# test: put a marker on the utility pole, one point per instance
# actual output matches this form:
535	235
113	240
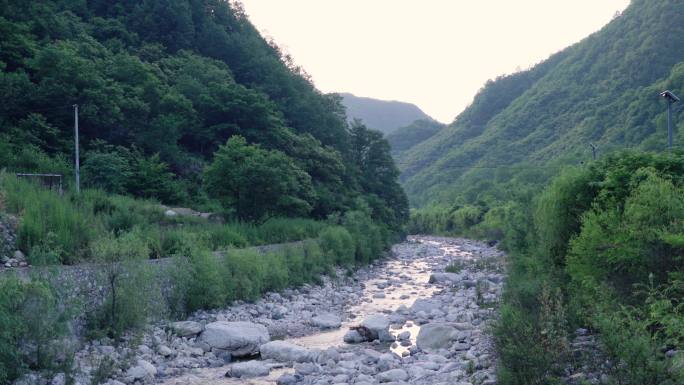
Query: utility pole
671	99
76	156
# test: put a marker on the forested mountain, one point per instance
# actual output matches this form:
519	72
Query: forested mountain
161	85
603	90
382	115
404	138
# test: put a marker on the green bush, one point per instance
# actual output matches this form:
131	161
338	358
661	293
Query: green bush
337	243
368	236
133	295
244	274
31	321
198	282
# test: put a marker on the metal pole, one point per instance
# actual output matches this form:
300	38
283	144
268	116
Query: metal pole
593	151
669	126
76	156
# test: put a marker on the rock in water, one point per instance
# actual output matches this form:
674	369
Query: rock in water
248	369
186	328
353	337
287	352
378	325
435	336
239	338
326	321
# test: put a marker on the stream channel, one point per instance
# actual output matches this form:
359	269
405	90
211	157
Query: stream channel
412	290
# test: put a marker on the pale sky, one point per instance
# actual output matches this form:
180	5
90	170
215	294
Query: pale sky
433	53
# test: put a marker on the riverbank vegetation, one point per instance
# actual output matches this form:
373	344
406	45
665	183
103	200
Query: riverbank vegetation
599	248
135	290
606	252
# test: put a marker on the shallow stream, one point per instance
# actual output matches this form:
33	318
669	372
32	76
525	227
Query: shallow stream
399	280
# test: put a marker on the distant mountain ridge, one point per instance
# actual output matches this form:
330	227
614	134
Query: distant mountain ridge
405	138
383	115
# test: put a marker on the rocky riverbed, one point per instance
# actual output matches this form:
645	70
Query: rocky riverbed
401	320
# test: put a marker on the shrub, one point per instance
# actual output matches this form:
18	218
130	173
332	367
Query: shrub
368	236
244	273
198	282
31	319
337	243
132	292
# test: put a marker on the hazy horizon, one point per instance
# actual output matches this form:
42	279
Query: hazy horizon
426	53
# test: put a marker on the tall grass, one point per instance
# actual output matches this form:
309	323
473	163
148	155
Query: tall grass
70	225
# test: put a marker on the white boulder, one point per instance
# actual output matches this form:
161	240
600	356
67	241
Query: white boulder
239	338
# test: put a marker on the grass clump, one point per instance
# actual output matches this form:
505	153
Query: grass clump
337	243
454	267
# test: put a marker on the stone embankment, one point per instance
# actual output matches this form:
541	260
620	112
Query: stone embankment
403	320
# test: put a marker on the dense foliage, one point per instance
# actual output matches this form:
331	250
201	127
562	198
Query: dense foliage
603	90
602	250
161	86
403	138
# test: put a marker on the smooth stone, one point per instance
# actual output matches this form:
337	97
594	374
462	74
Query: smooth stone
435	336
248	369
353	337
286	352
422	305
287	379
186	328
326	321
239	338
449	278
393	375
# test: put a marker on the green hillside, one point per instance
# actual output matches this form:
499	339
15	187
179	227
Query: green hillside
404	138
602	90
161	85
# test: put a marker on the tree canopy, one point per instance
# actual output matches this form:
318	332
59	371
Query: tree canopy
161	85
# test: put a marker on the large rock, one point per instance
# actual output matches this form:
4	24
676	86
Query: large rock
425	305
186	328
393	375
239	338
248	369
378	326
326	321
435	336
143	370
445	278
287	352
353	337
